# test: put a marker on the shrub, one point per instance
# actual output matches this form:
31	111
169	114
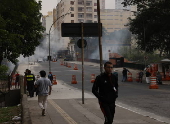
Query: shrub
3	72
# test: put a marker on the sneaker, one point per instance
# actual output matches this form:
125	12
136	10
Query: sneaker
43	112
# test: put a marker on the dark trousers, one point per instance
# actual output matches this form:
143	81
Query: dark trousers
140	79
108	111
30	88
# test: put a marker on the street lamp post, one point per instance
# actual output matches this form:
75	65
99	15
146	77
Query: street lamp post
99	32
49	58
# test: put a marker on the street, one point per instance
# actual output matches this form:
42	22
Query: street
134	96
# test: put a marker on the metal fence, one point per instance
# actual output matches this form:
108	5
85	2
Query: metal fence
134	66
6	84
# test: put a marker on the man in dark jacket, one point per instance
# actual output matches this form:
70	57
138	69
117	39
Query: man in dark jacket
105	88
30	78
50	77
124	72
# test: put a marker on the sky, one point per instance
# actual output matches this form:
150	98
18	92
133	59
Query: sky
48	5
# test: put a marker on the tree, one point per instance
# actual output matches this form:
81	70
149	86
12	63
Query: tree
20	28
151	25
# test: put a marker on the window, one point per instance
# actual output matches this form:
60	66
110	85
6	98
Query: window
80	20
72	21
80	9
72	8
95	10
72	15
95	4
72	2
80	15
89	9
89	15
95	16
95	21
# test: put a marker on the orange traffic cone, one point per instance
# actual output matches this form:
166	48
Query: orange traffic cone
75	67
54	80
153	84
92	78
129	77
74	79
69	66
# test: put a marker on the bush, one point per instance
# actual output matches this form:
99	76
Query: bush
3	72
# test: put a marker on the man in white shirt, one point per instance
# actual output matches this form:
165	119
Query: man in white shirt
44	89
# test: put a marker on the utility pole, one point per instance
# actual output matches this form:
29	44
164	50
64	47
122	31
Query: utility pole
99	32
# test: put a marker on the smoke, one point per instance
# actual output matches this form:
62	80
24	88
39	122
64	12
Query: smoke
112	43
42	51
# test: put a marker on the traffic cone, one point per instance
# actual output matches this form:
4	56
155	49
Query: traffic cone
54	80
69	66
74	79
153	84
92	78
129	77
75	67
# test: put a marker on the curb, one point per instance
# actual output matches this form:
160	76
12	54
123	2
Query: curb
26	118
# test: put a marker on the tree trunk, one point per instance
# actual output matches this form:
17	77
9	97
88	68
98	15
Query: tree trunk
1	58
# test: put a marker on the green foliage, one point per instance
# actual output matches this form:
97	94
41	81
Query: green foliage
20	28
3	72
151	25
7	113
139	57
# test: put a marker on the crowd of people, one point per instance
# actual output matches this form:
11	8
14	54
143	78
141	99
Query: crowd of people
141	74
40	85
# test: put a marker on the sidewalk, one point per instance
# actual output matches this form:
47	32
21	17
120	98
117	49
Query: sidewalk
65	107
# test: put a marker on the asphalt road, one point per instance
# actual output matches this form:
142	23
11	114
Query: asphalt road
134	96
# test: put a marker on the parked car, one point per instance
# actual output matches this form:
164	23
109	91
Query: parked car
40	60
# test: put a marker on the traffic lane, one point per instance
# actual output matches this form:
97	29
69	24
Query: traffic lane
135	95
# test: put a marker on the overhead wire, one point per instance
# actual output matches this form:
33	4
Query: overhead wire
64	15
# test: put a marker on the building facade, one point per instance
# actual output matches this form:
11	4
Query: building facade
114	19
47	21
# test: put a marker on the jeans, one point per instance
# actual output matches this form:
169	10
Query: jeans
124	78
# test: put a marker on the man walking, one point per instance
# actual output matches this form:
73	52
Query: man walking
44	89
124	72
148	74
30	79
50	77
105	88
141	76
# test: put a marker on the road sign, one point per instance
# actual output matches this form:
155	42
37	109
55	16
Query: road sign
79	43
74	29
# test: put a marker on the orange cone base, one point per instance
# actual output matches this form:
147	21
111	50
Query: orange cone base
74	82
153	87
92	81
130	80
54	83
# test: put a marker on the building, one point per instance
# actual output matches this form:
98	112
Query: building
75	11
119	5
114	19
47	21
